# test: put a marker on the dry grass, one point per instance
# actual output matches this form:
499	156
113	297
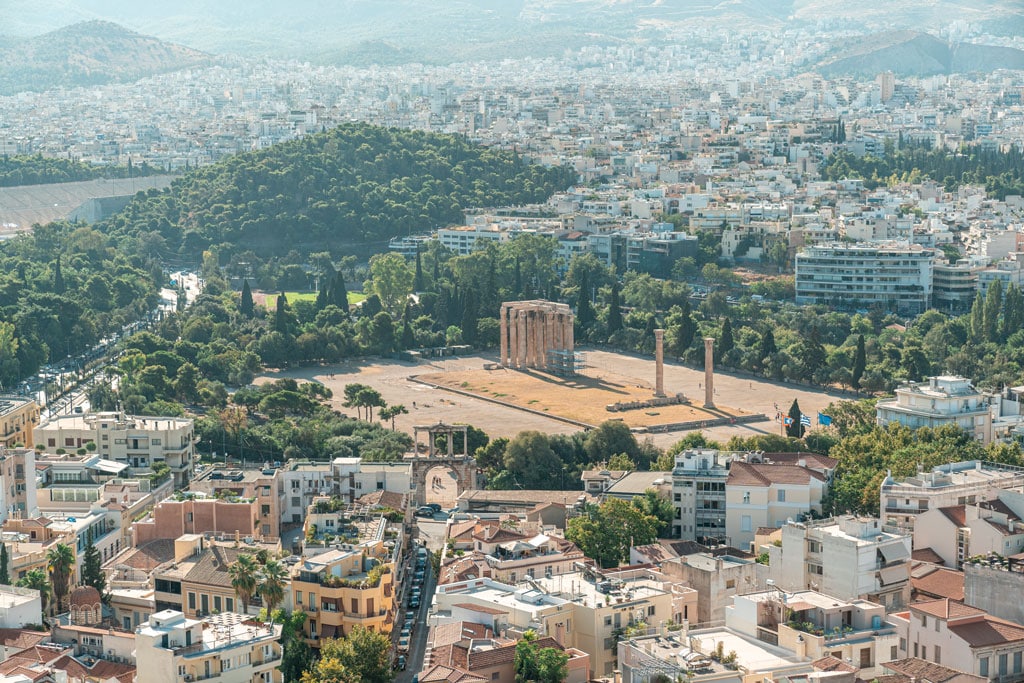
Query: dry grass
581	398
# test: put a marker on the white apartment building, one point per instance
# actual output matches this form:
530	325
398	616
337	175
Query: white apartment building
959	532
698	494
232	648
938	402
958	483
848	557
896	276
138	441
353	478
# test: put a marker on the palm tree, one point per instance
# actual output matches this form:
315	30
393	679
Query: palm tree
36	580
60	561
244	578
272	583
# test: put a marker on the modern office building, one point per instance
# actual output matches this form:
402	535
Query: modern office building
895	276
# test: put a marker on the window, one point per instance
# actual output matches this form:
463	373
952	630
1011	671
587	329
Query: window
746	498
893	652
983	666
1016	662
915	653
938	655
216	602
192	601
782	495
51	442
355	605
264	509
650	610
903	644
607	621
1002	664
924	620
936	625
731	583
745	523
156	442
298	597
229	603
496	675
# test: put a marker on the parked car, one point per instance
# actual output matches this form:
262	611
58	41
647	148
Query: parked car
433	506
425	511
415	602
400	663
403	644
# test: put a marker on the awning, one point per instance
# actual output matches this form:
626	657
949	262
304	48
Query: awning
894	552
890	575
328	631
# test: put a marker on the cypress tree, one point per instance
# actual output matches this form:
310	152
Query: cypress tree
417	283
323	294
688	328
860	362
767	347
1013	311
993	306
281	314
92	568
517	281
978	318
469	317
614	310
5	570
339	295
584	309
58	278
795	428
245	304
726	343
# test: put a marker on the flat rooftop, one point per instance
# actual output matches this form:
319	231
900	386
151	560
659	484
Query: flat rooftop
577	587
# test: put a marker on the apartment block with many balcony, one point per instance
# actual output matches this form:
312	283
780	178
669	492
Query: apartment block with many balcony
940	401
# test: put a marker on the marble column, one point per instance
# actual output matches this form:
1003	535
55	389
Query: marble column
659	363
709	372
523	341
570	344
503	331
513	338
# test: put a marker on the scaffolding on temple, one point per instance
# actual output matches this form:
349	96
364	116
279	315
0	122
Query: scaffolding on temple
565	363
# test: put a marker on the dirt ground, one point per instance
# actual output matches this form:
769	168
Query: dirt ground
582	398
428	405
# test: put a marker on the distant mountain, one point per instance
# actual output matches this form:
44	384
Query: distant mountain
912	53
88	53
438	31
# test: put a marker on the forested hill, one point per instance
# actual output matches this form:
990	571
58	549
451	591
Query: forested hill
357	183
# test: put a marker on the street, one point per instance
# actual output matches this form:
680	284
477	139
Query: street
418	641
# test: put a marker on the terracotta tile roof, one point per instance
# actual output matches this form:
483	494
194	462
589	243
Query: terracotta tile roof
391	499
212	567
20	639
945	608
148	556
940	583
830	663
500	536
926	555
814	461
102	669
914	667
440	673
745	474
989	631
956	514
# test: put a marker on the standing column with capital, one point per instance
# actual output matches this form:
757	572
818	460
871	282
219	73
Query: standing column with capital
503	331
513	338
709	372
659	363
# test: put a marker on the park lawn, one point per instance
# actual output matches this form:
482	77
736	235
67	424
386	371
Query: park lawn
292	297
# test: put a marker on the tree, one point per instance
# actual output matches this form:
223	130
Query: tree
726	343
534	664
363	655
859	363
390	279
391	412
610	438
794	428
614	310
339	294
621	462
1013	312
418	284
92	568
60	561
470	316
531	463
370	398
58	279
978	318
5	570
654	504
273	579
553	665
607	532
584	308
281	315
36	580
244	574
246	306
993	306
